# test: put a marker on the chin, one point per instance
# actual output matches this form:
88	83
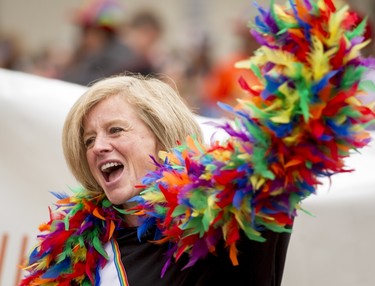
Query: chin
116	199
120	195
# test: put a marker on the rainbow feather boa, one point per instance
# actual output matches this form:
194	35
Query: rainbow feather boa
71	249
299	122
301	119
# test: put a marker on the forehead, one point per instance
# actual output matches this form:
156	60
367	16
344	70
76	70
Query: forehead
115	106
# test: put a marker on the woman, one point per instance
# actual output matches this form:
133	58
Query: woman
146	110
307	120
110	136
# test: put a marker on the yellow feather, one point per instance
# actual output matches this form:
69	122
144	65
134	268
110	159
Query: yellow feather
257	181
42	264
333	50
270	218
353	101
80	255
154	197
239	218
357	128
196	213
286	63
244	156
280	58
334	26
355	51
162	155
257	59
280	12
282	117
278	191
287	105
31	266
318	60
206	176
244	64
293	138
276	105
340	119
222	155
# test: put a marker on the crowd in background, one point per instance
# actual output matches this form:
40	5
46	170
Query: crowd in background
109	43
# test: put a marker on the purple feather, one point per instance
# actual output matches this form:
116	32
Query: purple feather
199	251
261	40
308	4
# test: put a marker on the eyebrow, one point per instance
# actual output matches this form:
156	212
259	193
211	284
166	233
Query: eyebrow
109	123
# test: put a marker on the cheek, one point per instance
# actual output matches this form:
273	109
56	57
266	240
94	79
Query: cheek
90	161
142	155
153	152
150	147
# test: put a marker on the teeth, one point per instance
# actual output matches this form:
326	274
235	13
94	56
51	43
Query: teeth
109	165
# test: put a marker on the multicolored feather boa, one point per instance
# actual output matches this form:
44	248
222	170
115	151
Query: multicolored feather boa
71	249
300	120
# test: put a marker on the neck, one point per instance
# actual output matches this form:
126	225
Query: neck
130	220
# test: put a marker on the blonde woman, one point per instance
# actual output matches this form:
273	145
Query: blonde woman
111	139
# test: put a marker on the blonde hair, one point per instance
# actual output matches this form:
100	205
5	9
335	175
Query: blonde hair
159	107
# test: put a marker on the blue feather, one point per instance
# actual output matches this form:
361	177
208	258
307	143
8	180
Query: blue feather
342	130
225	107
145	226
237	199
97	276
306	27
316	88
36	255
280	130
59	196
57	269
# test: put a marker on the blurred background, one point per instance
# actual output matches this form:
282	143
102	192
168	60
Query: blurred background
194	42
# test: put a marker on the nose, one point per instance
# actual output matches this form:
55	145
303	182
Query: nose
101	145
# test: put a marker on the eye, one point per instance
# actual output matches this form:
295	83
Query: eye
114	130
89	142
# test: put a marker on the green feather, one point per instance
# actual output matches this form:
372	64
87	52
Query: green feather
351	76
199	199
99	246
260	136
277	228
304	101
106	203
315	8
194	225
308	164
256	70
160	210
179	210
294	200
253	234
358	31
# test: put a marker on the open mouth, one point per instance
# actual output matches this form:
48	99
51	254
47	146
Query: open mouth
111	171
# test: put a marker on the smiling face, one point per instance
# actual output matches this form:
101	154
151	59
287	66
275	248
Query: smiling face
118	147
